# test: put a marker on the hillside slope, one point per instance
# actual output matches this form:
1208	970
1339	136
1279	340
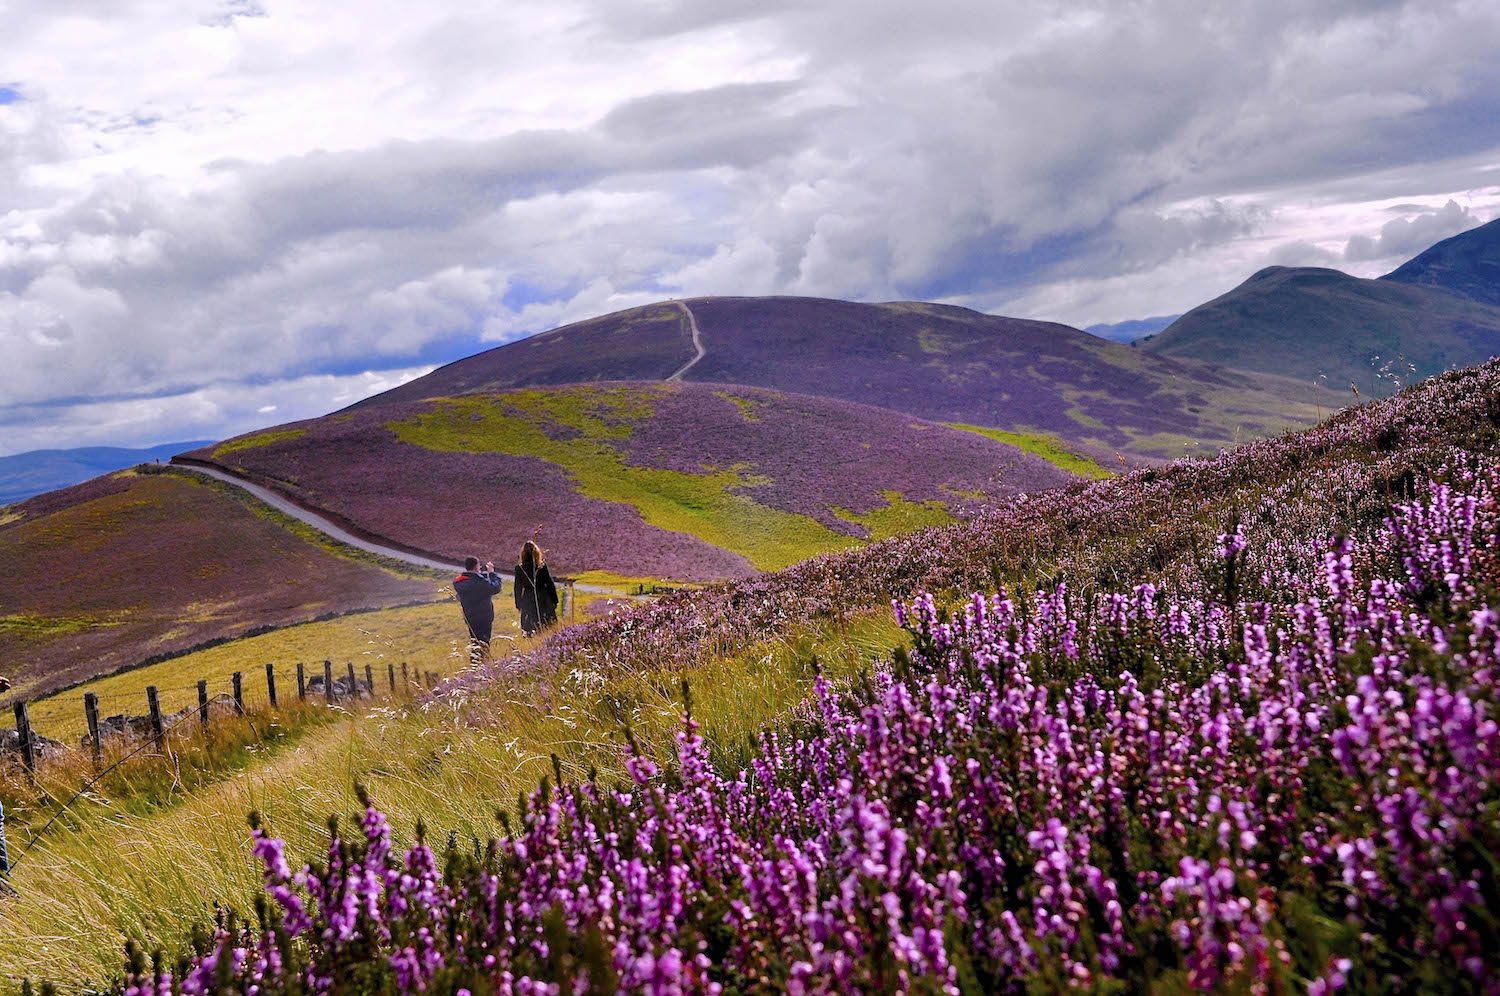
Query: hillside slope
1303	322
683	481
23	475
1468	264
107	573
938	362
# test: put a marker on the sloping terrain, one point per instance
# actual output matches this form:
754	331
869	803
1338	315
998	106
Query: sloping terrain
23	475
107	573
683	481
938	362
1468	264
1303	322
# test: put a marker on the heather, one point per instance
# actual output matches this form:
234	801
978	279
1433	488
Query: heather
657	480
108	573
1277	770
936	362
1250	747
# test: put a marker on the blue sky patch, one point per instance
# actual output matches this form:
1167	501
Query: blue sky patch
9	96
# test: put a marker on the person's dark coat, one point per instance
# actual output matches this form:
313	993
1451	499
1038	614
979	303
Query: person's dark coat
475	589
536	598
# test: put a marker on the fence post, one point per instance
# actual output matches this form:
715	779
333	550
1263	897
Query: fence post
203	701
271	683
301	682
390	673
432	679
353	685
370	679
154	705
4	855
328	680
405	679
23	733
91	713
239	692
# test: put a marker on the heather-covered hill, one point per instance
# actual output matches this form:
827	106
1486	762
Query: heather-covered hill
667	480
106	573
1468	264
943	363
1303	322
23	475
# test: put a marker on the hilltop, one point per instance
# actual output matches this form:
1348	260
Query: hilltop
938	362
1468	264
666	480
1438	311
23	475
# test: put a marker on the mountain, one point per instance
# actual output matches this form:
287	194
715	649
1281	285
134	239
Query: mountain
1467	264
1303	322
103	574
1132	330
25	474
661	479
937	362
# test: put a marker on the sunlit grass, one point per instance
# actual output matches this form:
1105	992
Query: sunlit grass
123	870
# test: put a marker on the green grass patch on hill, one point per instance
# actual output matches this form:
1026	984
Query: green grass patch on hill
256	441
898	516
532	423
1046	446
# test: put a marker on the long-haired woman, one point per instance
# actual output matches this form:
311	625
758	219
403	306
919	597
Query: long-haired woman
536	594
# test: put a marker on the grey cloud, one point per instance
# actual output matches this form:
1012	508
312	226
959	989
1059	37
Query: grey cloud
1408	236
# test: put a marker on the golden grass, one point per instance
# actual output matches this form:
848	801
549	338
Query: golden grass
112	873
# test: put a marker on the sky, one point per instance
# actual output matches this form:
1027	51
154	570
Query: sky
217	215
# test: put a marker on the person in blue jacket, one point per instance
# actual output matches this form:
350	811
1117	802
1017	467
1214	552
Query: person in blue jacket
476	590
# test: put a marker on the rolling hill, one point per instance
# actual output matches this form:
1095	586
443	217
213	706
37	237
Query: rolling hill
104	574
23	475
667	480
1301	322
937	362
1468	264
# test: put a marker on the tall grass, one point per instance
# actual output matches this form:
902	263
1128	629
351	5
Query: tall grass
139	862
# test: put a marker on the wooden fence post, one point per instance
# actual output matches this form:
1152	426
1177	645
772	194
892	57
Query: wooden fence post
91	713
203	701
370	679
271	683
239	692
328	680
23	731
405	679
432	679
390	673
4	855
353	686
301	682
153	703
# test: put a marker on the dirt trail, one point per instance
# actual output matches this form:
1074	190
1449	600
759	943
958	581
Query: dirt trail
288	507
697	342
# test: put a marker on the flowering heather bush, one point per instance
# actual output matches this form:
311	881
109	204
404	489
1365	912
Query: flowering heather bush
1167	785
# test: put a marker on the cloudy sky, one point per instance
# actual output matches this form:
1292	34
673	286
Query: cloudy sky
220	214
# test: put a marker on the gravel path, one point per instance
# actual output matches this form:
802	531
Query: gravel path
697	342
318	522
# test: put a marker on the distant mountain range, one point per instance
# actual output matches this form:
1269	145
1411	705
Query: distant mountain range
37	471
1438	311
1132	330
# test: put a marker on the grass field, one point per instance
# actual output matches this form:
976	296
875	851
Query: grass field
1046	446
118	871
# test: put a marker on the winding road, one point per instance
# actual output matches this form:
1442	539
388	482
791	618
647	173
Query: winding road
287	507
697	342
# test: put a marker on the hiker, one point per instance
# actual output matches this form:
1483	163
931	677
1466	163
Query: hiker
536	595
475	589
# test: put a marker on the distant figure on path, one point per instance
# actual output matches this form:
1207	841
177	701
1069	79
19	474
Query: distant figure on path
4	683
536	595
476	589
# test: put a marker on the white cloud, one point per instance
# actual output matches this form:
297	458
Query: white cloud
196	192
